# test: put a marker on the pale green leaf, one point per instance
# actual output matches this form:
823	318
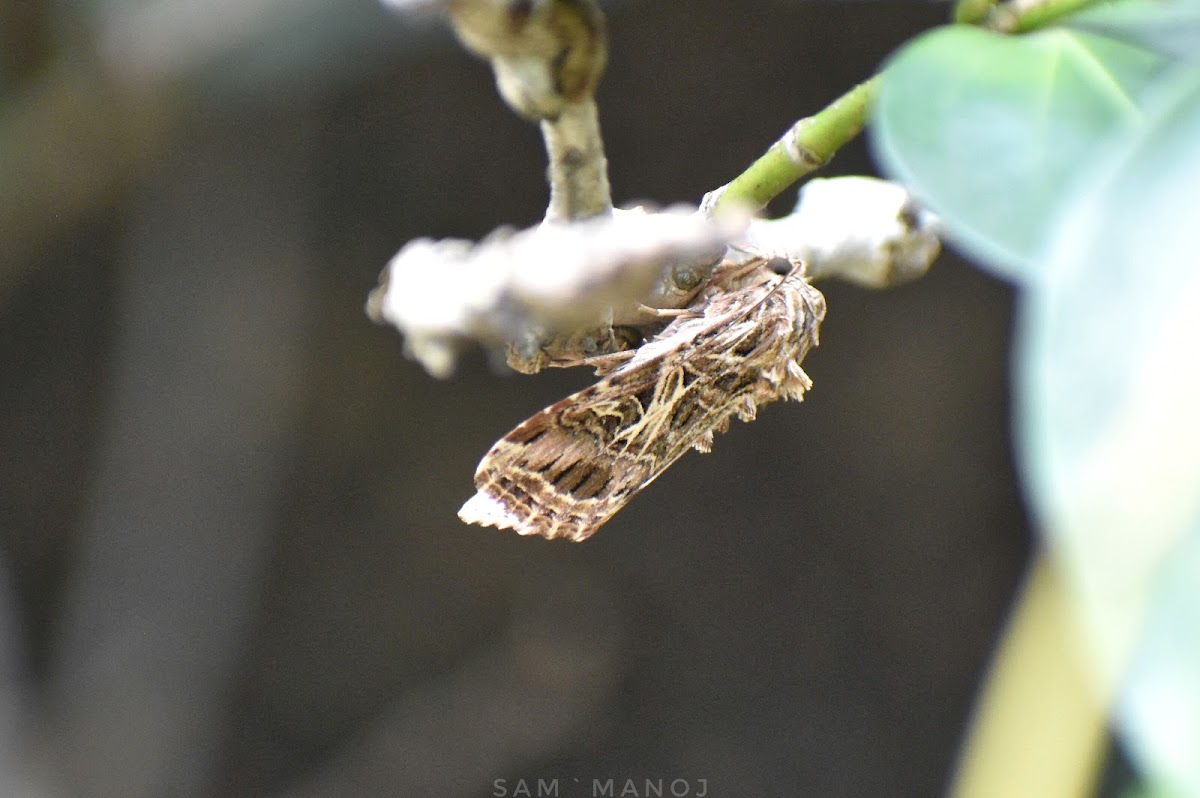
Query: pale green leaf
1168	27
1109	422
992	131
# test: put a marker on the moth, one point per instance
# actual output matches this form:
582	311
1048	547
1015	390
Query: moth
738	346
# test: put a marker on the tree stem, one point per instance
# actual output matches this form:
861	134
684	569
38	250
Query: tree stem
805	147
578	170
973	12
1023	17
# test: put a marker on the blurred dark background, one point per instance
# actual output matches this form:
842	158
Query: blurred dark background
230	561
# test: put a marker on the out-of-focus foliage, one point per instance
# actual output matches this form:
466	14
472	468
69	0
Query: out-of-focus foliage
1070	163
1111	434
990	130
1170	28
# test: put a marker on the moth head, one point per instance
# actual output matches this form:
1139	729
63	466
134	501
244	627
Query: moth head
772	270
780	265
757	270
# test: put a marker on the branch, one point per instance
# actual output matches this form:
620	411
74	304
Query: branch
587	281
1022	17
578	169
549	295
810	143
805	147
860	229
973	12
548	56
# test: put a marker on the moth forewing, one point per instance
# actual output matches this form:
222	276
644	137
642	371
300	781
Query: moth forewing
562	473
568	469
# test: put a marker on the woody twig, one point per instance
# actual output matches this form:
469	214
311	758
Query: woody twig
548	56
591	280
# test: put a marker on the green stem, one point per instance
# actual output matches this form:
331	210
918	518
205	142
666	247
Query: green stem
812	141
806	147
973	12
1037	15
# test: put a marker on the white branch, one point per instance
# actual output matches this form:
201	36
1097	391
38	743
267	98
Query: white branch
551	295
524	289
861	229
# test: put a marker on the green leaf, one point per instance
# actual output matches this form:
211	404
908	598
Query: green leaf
992	131
1109	422
1170	28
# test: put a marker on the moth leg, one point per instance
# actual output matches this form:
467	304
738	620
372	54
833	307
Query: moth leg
661	313
603	364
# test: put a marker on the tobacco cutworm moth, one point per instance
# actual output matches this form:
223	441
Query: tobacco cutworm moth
568	469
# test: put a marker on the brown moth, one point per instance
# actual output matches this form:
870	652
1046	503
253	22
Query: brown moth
568	469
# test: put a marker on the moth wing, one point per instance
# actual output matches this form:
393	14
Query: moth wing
562	473
566	470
